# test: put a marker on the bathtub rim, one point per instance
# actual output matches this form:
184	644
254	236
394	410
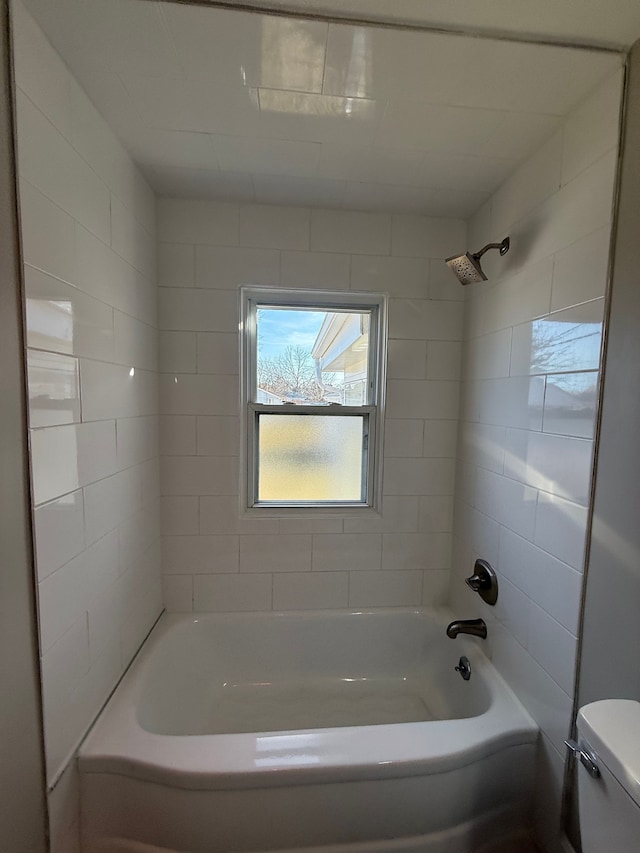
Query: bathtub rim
117	744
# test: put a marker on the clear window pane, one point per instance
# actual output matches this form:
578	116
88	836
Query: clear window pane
311	458
311	357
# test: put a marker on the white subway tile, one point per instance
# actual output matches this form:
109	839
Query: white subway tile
109	502
96	448
419	477
94	140
488	356
399	277
177	593
478	531
103	274
342	551
405	551
513	611
444	360
552	463
570	403
55	465
218	436
350	231
178	435
207	223
406	359
424	237
515	402
424	319
192	310
319	270
271	227
177	352
275	553
229	267
547	703
138	533
435	514
507	502
59	532
399	513
561	529
63	319
435	588
580	270
63	176
553	647
199	475
402	438
385	589
440	438
581	207
65	663
310	590
310	525
592	129
221	514
567	340
193	555
176	265
66	595
201	394
442	282
54	389
552	584
136	343
518	296
40	72
113	390
483	445
408	398
48	234
180	515
218	353
534	181
231	593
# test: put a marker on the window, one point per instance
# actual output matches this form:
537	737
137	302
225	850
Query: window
312	396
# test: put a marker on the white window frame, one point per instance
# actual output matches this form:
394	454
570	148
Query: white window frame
254	297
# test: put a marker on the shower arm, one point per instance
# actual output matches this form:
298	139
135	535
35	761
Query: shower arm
504	248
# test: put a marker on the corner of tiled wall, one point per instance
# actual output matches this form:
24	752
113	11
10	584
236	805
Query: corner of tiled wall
529	396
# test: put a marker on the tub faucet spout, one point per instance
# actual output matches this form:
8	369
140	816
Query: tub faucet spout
475	627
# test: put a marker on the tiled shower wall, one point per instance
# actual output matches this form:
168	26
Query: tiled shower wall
529	394
88	221
211	559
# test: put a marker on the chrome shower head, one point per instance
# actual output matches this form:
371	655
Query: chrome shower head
467	269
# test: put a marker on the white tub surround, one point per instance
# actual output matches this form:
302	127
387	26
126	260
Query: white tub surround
213	558
88	239
258	732
531	371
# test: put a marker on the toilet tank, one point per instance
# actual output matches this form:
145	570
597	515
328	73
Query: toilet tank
610	804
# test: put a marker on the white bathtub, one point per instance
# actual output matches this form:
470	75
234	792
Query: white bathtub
329	731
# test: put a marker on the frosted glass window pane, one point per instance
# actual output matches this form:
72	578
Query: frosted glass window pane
310	458
311	357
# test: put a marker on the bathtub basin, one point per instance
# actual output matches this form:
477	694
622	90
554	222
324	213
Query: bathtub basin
334	731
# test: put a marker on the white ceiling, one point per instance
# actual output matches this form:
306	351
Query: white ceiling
238	106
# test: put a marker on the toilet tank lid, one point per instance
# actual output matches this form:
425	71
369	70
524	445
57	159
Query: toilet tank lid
611	727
